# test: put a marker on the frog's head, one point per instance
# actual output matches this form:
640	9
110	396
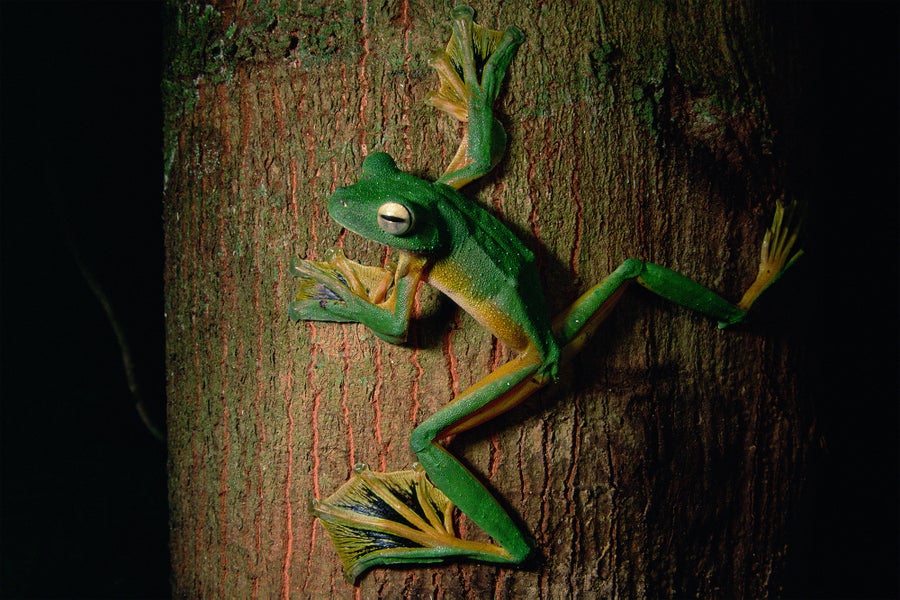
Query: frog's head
391	207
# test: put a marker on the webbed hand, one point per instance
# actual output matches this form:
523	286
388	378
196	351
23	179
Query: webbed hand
779	251
340	290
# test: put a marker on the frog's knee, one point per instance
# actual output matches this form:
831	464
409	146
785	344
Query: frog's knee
422	436
632	267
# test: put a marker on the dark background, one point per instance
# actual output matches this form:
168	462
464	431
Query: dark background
83	505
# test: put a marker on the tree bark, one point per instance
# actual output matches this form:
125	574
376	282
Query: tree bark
665	462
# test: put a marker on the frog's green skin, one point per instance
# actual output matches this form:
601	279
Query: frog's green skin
456	246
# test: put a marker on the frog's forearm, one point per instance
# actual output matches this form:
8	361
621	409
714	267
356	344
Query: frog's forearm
390	321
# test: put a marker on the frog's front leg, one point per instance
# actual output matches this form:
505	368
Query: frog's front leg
471	70
343	291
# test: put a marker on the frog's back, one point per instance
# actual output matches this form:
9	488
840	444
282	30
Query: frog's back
491	275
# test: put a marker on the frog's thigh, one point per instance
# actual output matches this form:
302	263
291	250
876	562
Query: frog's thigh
500	391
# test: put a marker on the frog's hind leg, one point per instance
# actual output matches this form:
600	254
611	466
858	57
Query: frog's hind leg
405	517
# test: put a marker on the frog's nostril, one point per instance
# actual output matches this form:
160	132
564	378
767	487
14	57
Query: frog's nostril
340	196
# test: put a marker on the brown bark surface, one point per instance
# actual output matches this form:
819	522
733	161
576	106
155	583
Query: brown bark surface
662	464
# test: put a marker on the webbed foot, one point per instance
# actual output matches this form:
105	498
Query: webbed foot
393	518
473	64
778	251
471	70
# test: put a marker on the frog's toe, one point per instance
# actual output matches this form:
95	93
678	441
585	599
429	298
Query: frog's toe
452	96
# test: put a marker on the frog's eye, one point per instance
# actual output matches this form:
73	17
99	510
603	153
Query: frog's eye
394	218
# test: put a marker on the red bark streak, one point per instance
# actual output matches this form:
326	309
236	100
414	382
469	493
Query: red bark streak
452	368
376	403
363	79
496	453
317	405
294	207
289	478
345	395
246	112
227	283
257	412
279	113
406	99
579	218
415	403
314	428
222	106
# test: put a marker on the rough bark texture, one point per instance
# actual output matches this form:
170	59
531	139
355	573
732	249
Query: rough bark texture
665	463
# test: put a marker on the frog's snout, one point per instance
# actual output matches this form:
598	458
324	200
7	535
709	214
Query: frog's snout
339	197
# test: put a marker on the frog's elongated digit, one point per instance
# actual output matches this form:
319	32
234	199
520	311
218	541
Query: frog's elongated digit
440	237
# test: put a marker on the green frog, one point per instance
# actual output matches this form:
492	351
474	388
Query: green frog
448	241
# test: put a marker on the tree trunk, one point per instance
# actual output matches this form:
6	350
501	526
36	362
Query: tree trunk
664	463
